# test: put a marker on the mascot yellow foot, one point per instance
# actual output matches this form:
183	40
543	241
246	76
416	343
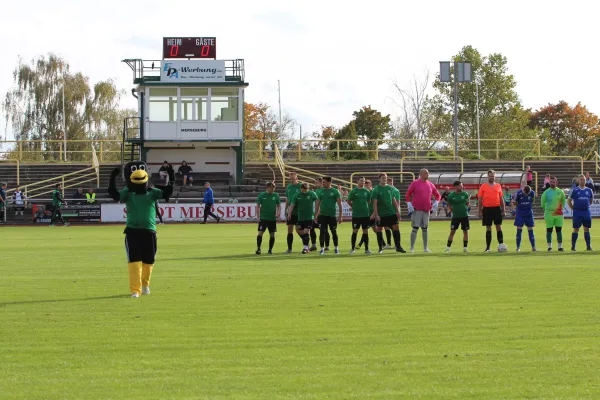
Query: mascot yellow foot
135	277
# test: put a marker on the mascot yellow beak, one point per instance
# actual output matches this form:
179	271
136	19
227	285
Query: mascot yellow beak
139	177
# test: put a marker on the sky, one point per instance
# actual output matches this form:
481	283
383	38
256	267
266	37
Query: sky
331	57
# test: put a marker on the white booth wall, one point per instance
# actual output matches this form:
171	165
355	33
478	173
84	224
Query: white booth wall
199	155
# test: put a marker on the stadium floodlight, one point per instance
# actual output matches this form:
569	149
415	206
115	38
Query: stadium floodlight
462	73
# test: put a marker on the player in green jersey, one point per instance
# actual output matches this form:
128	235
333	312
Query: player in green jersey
290	191
359	199
325	213
386	212
553	201
388	230
313	231
369	186
304	202
57	203
268	207
458	206
140	231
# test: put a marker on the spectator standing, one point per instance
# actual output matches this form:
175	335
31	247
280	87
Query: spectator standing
589	182
186	171
209	201
547	182
19	198
2	201
90	196
529	173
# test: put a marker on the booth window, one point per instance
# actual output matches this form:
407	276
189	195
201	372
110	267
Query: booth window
194	104
162	104
224	104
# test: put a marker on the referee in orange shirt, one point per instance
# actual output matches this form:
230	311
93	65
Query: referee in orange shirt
491	208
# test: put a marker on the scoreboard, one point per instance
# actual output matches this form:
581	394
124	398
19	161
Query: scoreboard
195	47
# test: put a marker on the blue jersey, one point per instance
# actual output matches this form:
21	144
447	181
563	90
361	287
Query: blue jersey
525	203
581	200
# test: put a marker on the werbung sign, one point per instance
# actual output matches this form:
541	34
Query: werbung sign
184	212
193	71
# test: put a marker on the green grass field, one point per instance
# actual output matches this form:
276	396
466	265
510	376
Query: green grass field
223	323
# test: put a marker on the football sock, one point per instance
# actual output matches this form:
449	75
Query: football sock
305	239
519	234
413	237
353	240
549	237
313	237
559	237
146	274
135	277
531	238
258	241
465	243
396	238
425	237
365	240
500	237
488	239
362	240
574	237
388	236
449	244
334	236
380	240
271	242
290	240
588	239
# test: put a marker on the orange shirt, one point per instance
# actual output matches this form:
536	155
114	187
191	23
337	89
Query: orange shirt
491	195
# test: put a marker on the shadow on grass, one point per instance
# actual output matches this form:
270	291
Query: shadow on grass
12	303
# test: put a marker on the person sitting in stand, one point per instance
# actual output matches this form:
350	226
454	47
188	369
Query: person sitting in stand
90	196
79	196
163	171
589	182
186	171
19	198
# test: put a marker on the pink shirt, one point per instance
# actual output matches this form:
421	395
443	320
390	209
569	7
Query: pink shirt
420	192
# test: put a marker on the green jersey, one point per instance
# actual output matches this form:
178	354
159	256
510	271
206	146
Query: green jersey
268	206
361	199
56	198
141	208
290	192
304	205
328	199
553	201
396	194
384	196
370	202
459	201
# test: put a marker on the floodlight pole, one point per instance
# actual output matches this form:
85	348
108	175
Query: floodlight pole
477	100
455	110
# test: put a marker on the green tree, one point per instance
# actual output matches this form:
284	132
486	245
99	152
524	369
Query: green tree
371	126
34	109
499	103
347	140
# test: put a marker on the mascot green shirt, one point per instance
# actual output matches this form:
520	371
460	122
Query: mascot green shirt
141	208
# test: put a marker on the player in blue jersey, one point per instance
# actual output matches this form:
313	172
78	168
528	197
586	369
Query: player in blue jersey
580	200
524	200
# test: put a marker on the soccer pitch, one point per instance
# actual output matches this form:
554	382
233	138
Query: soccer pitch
224	323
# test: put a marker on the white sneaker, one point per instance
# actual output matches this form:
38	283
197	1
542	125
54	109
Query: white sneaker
518	249
388	246
352	252
447	250
465	250
368	252
412	250
322	252
145	289
427	251
135	295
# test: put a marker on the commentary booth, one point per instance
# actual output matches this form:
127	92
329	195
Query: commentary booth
190	107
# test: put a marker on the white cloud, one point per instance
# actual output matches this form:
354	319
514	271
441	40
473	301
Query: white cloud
331	59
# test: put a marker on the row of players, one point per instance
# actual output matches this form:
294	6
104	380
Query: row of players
379	208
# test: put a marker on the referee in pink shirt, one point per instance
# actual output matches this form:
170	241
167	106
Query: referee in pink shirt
418	199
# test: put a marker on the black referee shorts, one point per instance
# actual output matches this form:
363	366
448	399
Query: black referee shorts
140	245
492	215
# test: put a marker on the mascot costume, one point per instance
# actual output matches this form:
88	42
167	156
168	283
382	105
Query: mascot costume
140	231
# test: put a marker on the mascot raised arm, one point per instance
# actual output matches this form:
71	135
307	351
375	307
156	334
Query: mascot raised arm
140	231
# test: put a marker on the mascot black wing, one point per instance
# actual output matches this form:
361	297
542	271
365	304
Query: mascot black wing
113	192
168	188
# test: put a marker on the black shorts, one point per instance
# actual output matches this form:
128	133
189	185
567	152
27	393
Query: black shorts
363	222
270	225
462	222
388	221
492	216
302	225
140	245
328	222
293	220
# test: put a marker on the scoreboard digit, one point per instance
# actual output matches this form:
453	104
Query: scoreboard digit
196	47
